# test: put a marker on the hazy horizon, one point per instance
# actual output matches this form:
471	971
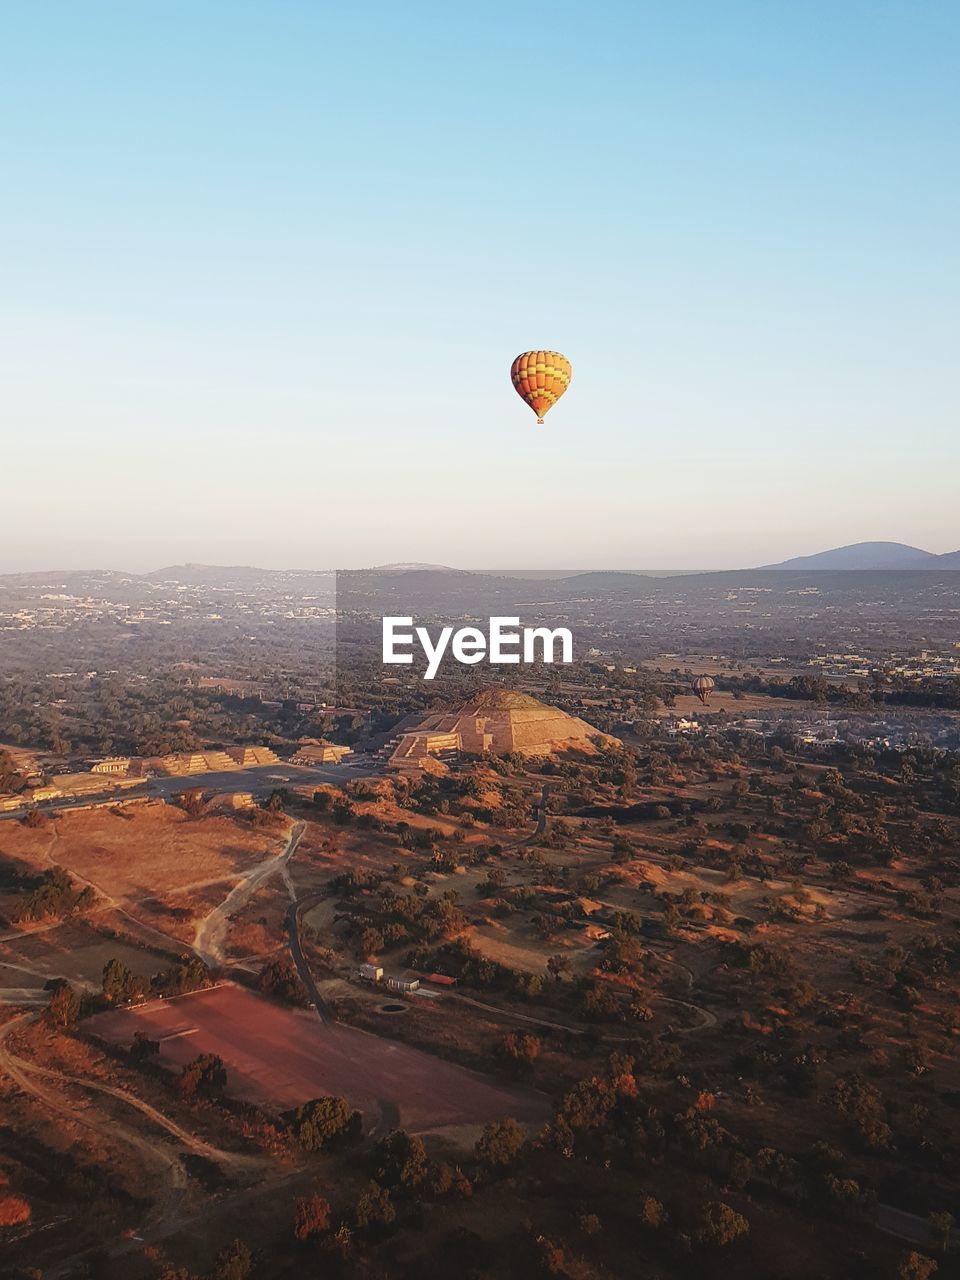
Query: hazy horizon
513	570
266	270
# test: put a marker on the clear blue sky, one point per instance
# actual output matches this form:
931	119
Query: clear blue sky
265	266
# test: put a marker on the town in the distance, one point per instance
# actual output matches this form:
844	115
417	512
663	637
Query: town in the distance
638	965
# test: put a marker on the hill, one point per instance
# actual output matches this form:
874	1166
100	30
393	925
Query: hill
605	580
410	567
239	577
872	555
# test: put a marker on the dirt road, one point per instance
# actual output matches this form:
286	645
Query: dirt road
174	1207
26	1074
211	932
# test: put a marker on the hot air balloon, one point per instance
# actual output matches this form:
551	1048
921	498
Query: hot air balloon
540	378
703	686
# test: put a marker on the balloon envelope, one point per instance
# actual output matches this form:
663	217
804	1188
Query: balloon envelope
703	686
540	378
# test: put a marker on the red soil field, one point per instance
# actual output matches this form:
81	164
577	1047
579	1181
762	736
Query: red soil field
285	1057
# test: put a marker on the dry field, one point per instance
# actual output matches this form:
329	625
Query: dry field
517	948
750	704
284	1057
152	850
74	950
704	664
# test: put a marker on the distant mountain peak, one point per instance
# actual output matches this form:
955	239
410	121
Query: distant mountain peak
872	555
411	567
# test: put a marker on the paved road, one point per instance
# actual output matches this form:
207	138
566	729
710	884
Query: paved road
294	914
265	778
907	1226
260	781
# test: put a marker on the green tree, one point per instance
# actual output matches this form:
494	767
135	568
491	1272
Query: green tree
374	1207
500	1143
402	1160
205	1076
720	1225
116	977
318	1122
280	979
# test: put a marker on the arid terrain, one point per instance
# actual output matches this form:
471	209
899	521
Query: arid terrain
496	994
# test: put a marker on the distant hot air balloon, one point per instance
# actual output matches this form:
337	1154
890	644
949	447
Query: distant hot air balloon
703	686
540	378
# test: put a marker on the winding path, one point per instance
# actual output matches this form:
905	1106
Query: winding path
172	1212
295	944
22	1071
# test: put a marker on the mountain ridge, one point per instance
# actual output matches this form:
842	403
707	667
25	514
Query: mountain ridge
863	556
870	556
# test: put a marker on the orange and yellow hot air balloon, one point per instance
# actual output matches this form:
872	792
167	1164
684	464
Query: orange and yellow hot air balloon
540	378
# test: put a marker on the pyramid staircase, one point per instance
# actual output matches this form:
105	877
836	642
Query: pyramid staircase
219	761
